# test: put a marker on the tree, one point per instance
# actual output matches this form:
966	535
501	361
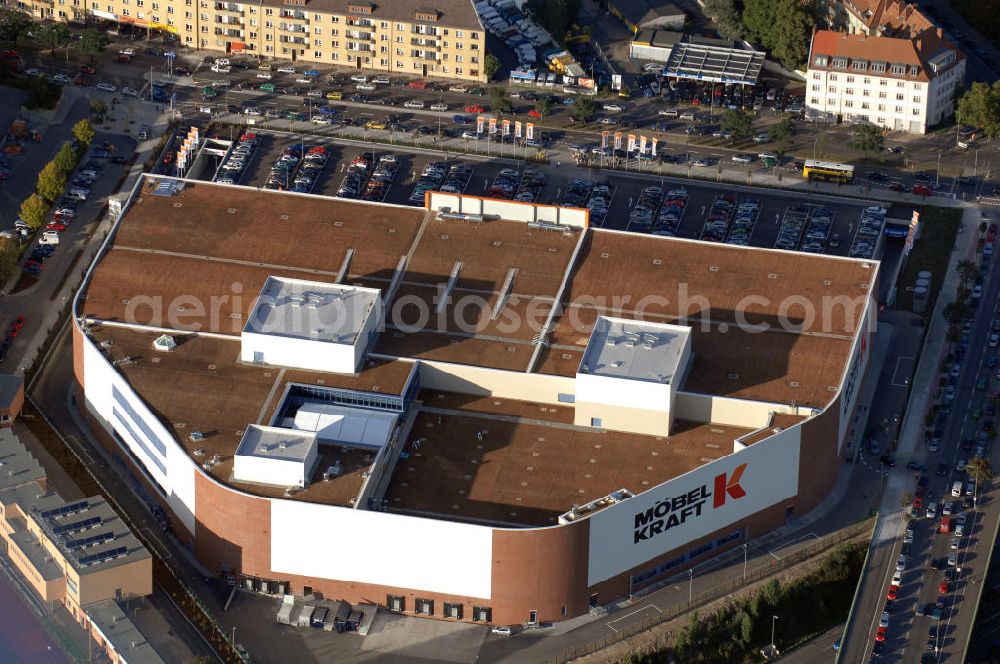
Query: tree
499	100
979	107
726	16
980	470
83	132
584	109
13	24
782	132
739	122
491	66
8	258
93	42
780	26
53	35
65	159
556	16
33	211
543	106
51	182
867	139
967	270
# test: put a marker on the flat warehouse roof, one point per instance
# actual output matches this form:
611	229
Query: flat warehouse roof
636	350
311	310
528	472
714	63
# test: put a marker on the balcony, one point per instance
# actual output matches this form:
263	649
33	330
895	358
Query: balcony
355	34
231	7
229	33
301	41
298	16
292	27
359	47
426	43
228	20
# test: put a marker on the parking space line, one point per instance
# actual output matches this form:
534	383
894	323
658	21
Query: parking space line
903	381
627	615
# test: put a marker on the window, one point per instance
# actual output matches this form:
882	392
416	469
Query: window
482	613
453	610
865	93
916	99
849	103
832	89
865	105
882	95
425	607
816	76
816	88
899	109
881	107
883	82
850	79
916	111
399	51
317	55
458	71
868	81
814	101
848	91
395	603
317	42
900	97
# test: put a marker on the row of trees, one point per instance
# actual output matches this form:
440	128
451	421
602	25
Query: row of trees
15	26
53	177
738	630
979	107
782	27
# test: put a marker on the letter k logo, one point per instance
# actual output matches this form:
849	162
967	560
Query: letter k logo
730	486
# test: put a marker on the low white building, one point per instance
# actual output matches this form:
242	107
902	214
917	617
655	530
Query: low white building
279	457
903	83
311	325
630	374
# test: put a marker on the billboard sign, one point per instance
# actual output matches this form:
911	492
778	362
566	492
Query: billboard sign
493	126
480	123
631	142
530	131
703	501
506	127
517	129
604	138
653	146
618	140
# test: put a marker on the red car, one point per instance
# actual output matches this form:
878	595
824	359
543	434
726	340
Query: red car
474	108
32	264
921	190
87	69
81	80
893	591
534	114
944	588
918	502
880	634
55	226
168	158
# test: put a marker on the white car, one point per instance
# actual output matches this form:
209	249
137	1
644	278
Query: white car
381	80
908	536
304	81
264	75
502	630
367	87
130	92
315	93
413	103
901	562
62	78
439	107
106	87
126	51
668	112
458	88
884	620
470	135
897	578
321	120
652	66
359	78
742	158
286	69
31	71
613	107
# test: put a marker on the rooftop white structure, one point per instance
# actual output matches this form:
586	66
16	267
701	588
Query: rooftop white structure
342	425
630	375
271	455
311	325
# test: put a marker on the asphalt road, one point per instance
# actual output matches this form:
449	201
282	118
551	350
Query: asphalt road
908	634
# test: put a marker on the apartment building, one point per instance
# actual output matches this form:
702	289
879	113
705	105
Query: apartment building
76	552
903	83
444	39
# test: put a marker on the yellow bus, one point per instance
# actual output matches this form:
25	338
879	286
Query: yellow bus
827	170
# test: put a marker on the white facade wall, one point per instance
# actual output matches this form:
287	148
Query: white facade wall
481	381
896	104
695	407
612	391
509	210
115	403
326	541
299	353
770	475
276	472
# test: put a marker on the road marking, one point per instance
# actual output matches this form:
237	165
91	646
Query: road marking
648	606
791	542
904	379
80	449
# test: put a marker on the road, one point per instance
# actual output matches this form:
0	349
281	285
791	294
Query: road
909	633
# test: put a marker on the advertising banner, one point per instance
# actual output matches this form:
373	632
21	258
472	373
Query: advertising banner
642	144
604	138
480	123
506	127
618	140
631	142
529	131
493	126
653	146
706	500
517	129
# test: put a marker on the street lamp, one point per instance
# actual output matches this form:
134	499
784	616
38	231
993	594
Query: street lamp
774	619
745	547
690	584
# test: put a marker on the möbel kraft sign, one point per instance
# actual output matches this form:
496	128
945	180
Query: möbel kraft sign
671	516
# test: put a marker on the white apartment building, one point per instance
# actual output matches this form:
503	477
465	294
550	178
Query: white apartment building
904	83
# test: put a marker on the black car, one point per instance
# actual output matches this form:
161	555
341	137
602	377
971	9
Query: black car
887	460
938	563
942	469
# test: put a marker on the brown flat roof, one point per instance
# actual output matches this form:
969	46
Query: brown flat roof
336	490
528	471
779	422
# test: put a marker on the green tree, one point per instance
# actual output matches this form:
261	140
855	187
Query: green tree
968	271
726	15
51	182
83	132
584	109
93	42
543	106
491	66
33	211
53	35
746	628
868	139
783	27
556	16
8	258
739	122
65	159
499	100
13	24
980	470
979	107
782	132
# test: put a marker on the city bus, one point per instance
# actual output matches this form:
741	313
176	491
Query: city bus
826	170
